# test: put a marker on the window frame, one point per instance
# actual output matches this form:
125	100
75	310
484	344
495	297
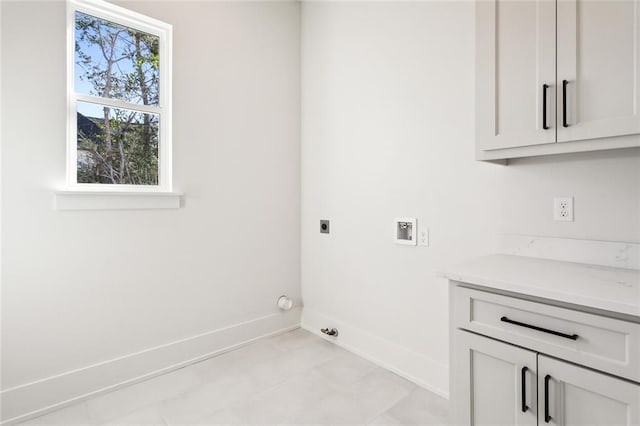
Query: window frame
119	15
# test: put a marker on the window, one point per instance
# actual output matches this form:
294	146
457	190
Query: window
119	89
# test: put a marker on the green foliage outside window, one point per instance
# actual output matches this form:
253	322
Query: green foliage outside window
116	145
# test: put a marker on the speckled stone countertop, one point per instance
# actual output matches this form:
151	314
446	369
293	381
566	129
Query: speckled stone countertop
600	287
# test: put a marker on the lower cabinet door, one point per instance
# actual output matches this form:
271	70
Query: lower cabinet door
494	383
576	396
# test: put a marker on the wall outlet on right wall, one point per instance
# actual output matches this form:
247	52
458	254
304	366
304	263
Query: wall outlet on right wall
423	237
563	209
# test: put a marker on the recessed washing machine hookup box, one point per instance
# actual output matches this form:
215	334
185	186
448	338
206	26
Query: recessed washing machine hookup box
405	231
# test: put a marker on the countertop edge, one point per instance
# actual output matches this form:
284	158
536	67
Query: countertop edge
626	311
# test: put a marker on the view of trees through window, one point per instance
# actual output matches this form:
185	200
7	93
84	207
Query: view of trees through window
116	145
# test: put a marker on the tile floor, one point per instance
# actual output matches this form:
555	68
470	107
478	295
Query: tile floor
291	379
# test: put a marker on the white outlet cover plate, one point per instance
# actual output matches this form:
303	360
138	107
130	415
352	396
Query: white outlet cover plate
563	209
423	237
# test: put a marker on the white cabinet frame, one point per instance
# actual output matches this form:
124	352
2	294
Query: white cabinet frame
562	42
613	400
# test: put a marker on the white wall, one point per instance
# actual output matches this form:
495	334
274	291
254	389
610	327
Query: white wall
80	288
387	131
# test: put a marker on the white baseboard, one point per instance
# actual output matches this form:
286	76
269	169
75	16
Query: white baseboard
403	361
33	399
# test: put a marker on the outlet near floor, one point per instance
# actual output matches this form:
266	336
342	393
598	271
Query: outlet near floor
563	209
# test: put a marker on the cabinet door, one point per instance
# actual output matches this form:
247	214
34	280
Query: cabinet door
488	387
598	68
516	70
576	396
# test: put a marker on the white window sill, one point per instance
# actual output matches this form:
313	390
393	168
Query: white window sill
93	200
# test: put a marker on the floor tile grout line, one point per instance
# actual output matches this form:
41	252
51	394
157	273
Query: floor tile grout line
271	341
323	383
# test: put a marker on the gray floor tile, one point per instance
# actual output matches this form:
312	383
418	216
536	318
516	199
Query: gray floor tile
385	420
149	416
205	399
121	402
284	402
73	415
345	369
360	402
293	379
421	407
220	418
293	339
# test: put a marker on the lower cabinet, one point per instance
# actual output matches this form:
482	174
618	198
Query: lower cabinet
496	383
575	396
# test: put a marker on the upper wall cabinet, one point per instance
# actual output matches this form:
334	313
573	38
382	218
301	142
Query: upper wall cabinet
556	76
598	60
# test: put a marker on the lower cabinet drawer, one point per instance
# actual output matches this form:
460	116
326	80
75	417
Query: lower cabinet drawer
602	343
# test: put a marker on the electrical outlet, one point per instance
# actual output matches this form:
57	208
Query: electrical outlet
563	209
423	237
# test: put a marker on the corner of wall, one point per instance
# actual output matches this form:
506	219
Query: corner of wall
34	399
399	359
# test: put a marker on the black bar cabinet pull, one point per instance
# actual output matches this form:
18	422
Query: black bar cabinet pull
524	389
545	87
544	330
564	103
547	417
